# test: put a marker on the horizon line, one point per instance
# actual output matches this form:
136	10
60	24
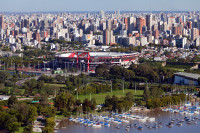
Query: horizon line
17	12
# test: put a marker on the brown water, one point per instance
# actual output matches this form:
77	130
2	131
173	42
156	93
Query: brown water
164	117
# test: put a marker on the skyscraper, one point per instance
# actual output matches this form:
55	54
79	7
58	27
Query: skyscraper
1	22
156	34
140	23
149	21
102	14
130	24
194	33
108	37
171	20
162	16
126	23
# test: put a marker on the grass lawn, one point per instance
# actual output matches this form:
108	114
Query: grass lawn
56	85
100	98
177	69
60	117
20	130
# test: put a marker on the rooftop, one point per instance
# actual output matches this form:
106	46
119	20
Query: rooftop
188	75
96	54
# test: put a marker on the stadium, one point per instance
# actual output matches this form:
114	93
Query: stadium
88	61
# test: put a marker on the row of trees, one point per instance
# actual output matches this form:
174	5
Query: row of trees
127	49
152	92
66	103
150	72
95	88
119	104
33	87
165	101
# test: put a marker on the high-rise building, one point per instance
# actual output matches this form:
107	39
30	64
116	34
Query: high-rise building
189	24
162	17
26	23
178	20
171	21
102	14
108	37
194	33
156	34
176	30
181	43
149	21
130	24
140	23
126	23
109	24
1	22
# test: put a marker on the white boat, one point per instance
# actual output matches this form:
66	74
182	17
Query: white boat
188	104
71	119
106	124
151	119
98	125
142	119
196	112
89	124
125	121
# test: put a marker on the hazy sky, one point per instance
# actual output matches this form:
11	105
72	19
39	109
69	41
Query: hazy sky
96	5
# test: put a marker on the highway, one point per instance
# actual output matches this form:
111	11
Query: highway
22	81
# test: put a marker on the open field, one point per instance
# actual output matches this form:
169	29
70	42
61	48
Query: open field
119	93
56	85
177	69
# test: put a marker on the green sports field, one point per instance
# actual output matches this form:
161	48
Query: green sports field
119	93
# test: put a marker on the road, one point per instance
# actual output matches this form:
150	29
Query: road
21	82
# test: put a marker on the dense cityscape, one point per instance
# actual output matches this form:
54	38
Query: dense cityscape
106	71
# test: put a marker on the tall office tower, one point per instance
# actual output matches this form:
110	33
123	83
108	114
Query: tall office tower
198	25
149	21
178	20
26	23
162	16
176	30
22	23
183	18
195	23
194	33
156	34
108	37
189	24
44	25
171	21
102	14
37	37
130	24
109	24
126	23
1	22
140	23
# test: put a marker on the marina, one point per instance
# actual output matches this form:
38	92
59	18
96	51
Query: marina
163	121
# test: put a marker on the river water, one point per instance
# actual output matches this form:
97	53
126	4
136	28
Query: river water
163	117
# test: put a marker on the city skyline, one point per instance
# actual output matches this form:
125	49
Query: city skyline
89	5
